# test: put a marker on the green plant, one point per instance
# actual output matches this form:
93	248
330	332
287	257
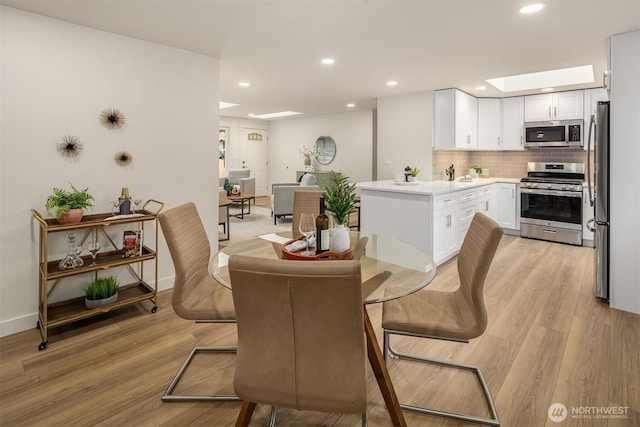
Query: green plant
477	168
101	288
340	197
415	172
64	200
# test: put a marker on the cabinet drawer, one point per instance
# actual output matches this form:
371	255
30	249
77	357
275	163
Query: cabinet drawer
484	192
444	201
466	213
467	196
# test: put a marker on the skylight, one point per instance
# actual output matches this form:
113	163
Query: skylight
543	79
222	105
274	115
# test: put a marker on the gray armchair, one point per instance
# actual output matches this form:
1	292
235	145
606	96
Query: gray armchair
282	198
235	175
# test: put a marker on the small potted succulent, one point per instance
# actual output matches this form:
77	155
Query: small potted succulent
414	174
67	206
102	291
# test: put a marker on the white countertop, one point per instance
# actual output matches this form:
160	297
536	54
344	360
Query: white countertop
431	188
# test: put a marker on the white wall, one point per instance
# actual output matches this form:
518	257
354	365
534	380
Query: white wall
405	121
352	132
56	80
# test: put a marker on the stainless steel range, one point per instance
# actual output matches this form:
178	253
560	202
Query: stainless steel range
551	202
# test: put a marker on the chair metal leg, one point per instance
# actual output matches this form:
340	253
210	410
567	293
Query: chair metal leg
462	417
168	397
272	420
365	419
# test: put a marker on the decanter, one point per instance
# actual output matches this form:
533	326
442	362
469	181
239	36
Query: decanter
72	260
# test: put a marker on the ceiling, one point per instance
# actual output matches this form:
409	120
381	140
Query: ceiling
277	46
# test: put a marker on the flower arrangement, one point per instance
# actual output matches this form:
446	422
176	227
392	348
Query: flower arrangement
307	153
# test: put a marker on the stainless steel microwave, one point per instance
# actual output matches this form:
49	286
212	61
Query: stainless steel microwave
554	133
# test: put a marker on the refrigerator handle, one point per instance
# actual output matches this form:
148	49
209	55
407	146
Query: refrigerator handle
592	125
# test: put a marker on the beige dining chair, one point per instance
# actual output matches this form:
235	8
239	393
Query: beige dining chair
301	341
459	315
304	201
196	294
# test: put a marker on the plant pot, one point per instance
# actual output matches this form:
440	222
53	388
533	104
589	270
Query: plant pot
72	216
340	239
412	178
97	303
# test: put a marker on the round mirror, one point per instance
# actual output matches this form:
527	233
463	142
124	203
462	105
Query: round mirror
326	149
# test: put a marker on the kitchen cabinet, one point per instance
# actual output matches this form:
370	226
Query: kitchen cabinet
512	132
591	97
554	106
489	118
103	228
487	200
507	212
445	241
456	120
467	208
587	215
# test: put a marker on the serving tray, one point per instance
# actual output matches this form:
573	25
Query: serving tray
324	256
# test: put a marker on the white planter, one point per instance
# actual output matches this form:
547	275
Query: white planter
340	239
96	303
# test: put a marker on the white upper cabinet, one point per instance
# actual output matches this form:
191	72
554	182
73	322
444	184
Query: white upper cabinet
554	106
456	119
591	97
489	118
512	137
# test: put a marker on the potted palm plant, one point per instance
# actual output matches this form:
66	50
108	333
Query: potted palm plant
340	200
102	291
67	206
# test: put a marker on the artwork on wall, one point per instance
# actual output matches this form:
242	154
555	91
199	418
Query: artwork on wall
123	158
70	147
112	118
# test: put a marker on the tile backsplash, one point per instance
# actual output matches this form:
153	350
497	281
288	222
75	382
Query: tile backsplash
503	164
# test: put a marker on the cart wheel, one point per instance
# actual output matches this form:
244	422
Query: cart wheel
43	345
154	309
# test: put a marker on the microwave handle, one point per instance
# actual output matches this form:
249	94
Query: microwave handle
592	125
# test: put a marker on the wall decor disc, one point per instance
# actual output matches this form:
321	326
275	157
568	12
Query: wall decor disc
123	158
70	147
112	118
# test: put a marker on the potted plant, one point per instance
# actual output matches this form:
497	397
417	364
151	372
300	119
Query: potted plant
340	200
102	291
68	205
414	174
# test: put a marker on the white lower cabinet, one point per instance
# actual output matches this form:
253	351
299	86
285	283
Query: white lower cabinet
507	212
487	200
444	227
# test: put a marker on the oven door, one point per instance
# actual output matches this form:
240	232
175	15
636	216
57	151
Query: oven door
550	207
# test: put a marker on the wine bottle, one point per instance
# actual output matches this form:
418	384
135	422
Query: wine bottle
323	237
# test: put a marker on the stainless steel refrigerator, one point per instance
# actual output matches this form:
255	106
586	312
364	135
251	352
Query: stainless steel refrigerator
599	197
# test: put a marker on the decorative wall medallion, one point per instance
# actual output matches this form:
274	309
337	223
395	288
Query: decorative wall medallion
123	158
112	118
70	147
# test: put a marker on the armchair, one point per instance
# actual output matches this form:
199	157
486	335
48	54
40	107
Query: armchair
282	198
235	175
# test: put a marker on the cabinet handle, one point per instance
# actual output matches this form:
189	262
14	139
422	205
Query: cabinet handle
521	138
513	193
487	206
498	140
468	139
605	80
555	112
550	116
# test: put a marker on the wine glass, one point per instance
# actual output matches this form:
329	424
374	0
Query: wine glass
136	204
93	248
307	228
116	206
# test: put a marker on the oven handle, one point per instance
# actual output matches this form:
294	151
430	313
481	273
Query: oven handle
551	192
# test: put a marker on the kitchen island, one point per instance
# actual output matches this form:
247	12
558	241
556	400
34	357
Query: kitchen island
434	215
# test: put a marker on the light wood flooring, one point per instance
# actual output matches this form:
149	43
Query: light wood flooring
548	340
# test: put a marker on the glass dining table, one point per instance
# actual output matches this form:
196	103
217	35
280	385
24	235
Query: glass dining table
390	269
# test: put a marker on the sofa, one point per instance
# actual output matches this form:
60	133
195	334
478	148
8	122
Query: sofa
282	198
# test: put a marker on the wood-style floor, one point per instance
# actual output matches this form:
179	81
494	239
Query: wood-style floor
548	341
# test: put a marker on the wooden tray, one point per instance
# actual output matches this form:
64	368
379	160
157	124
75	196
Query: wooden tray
324	256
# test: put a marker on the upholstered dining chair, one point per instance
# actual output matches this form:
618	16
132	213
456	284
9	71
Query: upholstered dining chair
459	315
196	294
301	341
304	201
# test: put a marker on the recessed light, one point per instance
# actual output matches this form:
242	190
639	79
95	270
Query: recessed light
392	83
328	61
275	115
481	87
531	8
244	84
351	105
547	89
